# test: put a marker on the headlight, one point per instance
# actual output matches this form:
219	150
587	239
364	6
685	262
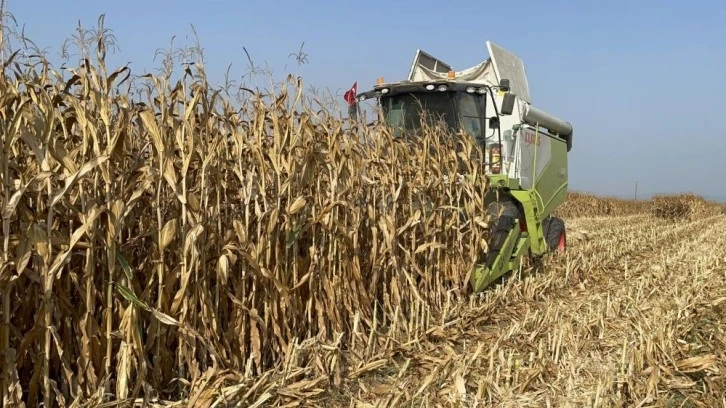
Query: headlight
442	88
430	87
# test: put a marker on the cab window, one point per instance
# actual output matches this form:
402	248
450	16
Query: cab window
469	114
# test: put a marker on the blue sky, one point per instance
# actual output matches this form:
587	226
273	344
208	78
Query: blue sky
641	81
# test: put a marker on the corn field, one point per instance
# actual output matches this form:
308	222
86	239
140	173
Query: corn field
178	250
683	207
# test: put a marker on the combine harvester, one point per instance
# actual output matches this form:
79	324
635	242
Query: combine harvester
526	148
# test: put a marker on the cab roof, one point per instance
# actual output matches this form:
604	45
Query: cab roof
443	85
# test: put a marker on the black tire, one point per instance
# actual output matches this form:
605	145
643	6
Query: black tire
555	234
503	214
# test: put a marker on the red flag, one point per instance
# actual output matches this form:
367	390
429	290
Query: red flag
350	94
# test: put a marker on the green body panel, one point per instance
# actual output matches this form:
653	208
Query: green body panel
503	181
551	183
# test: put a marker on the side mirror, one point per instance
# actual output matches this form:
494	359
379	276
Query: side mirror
494	122
508	104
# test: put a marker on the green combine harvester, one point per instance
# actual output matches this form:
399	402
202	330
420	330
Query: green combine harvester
525	148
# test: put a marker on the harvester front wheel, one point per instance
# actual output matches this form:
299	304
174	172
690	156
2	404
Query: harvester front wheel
556	234
503	214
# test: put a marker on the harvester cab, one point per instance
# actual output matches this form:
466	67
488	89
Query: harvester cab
525	148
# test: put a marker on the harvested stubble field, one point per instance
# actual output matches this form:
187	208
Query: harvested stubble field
181	252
